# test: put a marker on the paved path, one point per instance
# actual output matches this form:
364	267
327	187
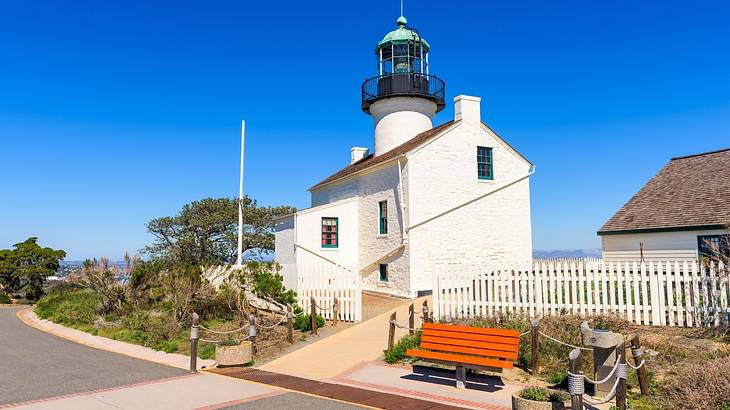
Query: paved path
35	365
42	371
333	356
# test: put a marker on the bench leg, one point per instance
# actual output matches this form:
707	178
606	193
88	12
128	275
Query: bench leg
460	377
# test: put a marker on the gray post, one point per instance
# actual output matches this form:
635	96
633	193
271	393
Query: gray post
425	312
411	320
460	377
194	336
289	324
252	332
576	400
535	345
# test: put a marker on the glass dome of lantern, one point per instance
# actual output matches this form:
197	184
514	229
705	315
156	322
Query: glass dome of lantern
403	69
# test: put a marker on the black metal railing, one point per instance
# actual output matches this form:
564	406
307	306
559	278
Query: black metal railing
408	84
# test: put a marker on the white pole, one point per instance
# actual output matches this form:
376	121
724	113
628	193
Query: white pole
239	261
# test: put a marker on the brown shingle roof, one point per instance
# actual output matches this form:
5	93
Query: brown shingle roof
689	192
372	160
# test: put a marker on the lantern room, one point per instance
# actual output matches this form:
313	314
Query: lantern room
402	69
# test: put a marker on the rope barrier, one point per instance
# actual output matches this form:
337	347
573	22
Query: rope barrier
398	325
566	344
274	325
525	333
325	309
576	383
227	332
221	341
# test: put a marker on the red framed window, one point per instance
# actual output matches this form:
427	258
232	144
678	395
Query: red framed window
330	236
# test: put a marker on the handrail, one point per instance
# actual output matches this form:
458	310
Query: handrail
403	84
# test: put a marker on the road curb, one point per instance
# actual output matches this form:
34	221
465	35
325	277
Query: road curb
29	318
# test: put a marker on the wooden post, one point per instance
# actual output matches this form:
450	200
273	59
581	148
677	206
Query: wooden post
289	323
621	388
313	314
425	312
335	311
194	336
576	400
641	372
252	332
535	328
411	320
391	331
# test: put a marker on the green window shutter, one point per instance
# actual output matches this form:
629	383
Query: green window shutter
485	164
383	217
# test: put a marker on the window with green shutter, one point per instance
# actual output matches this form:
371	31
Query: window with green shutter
383	217
330	236
485	168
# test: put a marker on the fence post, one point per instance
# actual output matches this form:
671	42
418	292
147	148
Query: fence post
194	336
535	332
252	332
289	323
411	320
335	311
391	331
576	397
313	314
636	352
621	388
425	312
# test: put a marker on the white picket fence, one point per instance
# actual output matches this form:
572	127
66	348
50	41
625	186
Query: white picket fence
659	294
324	282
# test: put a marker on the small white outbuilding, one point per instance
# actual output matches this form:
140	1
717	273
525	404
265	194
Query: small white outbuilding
429	200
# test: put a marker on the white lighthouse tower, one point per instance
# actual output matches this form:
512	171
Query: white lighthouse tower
403	98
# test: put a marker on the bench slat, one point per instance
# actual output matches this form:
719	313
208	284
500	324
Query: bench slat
471	343
512	341
469	350
475	330
457	358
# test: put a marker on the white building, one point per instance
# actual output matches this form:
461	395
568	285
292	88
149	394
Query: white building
674	217
428	200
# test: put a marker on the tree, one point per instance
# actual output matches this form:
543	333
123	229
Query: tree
206	231
27	266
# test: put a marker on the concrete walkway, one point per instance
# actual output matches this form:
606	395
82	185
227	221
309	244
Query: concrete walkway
335	355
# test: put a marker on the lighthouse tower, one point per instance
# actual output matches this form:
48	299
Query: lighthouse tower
404	97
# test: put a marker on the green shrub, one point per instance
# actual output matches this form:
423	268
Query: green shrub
558	378
4	299
268	282
397	353
304	322
207	352
168	346
70	308
535	393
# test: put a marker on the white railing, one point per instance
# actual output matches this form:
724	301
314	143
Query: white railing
325	282
654	293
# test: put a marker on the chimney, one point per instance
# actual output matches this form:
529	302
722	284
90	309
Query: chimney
467	109
357	153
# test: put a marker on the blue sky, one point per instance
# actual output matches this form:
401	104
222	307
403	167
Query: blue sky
115	113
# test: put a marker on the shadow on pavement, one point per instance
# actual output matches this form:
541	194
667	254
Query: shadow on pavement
444	377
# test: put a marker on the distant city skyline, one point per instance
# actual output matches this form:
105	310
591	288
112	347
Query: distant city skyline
114	114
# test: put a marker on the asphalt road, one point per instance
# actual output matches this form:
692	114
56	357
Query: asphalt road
294	401
36	365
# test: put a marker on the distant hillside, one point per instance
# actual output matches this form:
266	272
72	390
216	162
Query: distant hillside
567	253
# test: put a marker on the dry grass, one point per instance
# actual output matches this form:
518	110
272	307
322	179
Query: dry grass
699	386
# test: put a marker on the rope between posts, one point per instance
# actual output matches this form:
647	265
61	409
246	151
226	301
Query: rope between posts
605	379
398	325
274	325
325	309
227	332
525	333
566	344
221	341
576	383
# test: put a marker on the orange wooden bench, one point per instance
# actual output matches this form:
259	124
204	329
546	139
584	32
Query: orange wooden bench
467	347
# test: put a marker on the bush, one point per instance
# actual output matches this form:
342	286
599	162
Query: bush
397	353
72	308
304	322
168	346
207	352
268	283
4	299
558	378
535	393
699	386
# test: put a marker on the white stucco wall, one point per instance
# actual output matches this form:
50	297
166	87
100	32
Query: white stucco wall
658	246
309	231
494	230
371	187
284	252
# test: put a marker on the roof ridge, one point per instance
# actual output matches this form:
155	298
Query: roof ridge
701	154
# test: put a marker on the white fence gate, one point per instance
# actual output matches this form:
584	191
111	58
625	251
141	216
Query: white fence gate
655	293
324	282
